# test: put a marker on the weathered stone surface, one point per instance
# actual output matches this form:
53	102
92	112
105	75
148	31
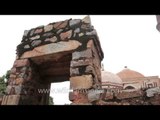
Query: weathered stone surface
96	59
52	48
18	89
74	71
71	96
87	19
26	32
21	63
74	22
60	25
152	91
132	94
81	62
26	39
66	35
59	31
80	34
53	39
38	31
81	82
77	30
21	75
8	89
90	44
36	43
48	28
11	100
82	54
35	37
19	81
23	69
48	34
94	95
12	76
92	32
26	46
78	98
14	89
13	70
32	32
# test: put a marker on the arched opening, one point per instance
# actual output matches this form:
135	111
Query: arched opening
129	88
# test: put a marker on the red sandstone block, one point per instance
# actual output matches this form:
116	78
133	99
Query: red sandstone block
66	35
21	63
13	70
11	100
60	25
81	82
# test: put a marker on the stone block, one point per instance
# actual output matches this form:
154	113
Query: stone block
81	82
94	95
87	19
52	48
12	76
74	71
21	63
19	81
38	31
74	22
11	100
36	43
26	32
13	70
82	54
13	89
81	62
48	34
26	46
48	28
53	39
35	37
60	25
66	35
32	32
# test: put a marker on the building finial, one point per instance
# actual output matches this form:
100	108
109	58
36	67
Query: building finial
125	66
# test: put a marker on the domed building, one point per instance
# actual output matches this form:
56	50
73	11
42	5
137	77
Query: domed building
111	81
133	80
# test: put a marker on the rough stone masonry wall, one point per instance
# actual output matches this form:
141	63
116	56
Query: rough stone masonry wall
85	66
23	84
138	97
72	29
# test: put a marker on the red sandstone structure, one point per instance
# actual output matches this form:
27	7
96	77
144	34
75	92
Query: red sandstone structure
59	51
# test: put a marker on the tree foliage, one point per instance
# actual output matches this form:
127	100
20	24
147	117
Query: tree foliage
3	83
51	101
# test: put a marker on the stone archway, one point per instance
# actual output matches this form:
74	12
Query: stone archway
59	51
129	88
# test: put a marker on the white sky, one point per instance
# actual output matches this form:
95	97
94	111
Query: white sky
127	40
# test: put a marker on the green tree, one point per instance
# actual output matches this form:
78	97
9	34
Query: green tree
3	83
51	101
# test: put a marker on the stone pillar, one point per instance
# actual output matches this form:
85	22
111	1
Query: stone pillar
85	74
23	84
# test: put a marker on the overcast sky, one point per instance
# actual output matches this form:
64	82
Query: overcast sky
126	40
